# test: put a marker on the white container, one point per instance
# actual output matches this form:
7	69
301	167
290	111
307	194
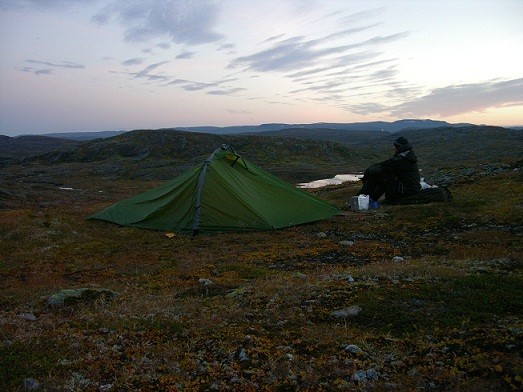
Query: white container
359	203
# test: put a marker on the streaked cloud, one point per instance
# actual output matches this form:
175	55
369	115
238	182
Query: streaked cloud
230	91
185	55
43	71
46	67
134	61
278	59
464	98
146	72
61	64
180	21
446	101
362	15
297	53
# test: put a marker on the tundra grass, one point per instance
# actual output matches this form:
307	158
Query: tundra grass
446	316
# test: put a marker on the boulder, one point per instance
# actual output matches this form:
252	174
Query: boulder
73	296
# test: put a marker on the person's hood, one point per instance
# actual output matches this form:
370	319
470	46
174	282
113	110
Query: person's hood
402	144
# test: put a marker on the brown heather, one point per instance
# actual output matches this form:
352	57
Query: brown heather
447	318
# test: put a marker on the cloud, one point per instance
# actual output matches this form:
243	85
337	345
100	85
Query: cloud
62	64
297	53
457	99
445	101
354	18
339	62
181	21
46	67
42	4
45	71
185	55
368	108
226	92
145	73
384	74
235	111
134	61
291	54
227	47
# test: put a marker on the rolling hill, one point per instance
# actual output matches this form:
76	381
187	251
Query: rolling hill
23	146
373	126
162	154
297	155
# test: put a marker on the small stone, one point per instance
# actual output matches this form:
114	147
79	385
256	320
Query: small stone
30	384
353	349
321	234
205	282
348	312
242	355
398	259
347	243
28	316
353	310
372	374
359	375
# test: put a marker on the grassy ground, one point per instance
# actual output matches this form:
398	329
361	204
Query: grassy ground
446	317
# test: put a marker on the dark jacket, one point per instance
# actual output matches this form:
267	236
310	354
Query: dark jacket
401	175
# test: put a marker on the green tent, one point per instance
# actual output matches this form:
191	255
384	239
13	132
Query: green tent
225	192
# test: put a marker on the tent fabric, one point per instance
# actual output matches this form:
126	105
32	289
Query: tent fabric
223	193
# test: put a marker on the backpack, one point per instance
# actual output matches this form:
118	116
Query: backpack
425	196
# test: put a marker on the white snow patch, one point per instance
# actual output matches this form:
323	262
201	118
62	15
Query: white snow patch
336	180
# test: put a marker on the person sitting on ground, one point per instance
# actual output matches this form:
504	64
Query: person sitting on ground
396	177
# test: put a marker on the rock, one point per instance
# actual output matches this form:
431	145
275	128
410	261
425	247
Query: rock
349	278
351	311
359	376
73	296
398	259
372	374
353	349
348	243
30	384
205	282
241	355
28	316
346	277
321	234
364	375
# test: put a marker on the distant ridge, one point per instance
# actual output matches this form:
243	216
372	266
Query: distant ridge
82	136
374	126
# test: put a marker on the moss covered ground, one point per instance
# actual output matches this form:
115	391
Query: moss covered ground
447	316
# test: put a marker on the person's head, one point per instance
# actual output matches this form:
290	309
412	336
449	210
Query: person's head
401	145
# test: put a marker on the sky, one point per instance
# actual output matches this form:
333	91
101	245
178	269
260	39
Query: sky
93	65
